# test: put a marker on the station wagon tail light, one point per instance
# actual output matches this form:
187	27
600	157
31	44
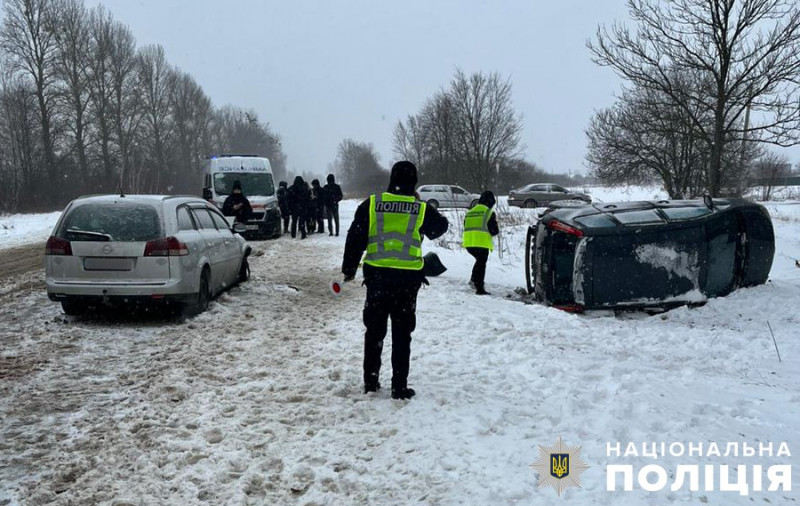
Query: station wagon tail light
166	247
58	246
563	227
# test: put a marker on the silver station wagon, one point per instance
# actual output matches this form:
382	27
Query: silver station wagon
115	249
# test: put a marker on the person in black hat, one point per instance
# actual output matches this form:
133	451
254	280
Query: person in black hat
298	198
237	205
318	197
333	195
480	226
392	270
283	204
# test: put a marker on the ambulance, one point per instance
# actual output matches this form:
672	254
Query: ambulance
258	185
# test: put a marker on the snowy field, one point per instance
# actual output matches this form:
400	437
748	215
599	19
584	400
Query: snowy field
18	229
259	400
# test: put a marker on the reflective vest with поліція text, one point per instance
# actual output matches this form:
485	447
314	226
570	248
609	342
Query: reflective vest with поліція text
394	240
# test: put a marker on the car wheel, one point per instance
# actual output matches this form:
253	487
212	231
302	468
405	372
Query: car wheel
530	244
244	271
530	204
433	203
73	308
202	297
473	203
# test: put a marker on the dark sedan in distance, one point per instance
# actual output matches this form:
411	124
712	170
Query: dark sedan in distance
542	194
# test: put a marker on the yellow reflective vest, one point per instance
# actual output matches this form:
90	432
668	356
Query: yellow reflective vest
476	228
394	240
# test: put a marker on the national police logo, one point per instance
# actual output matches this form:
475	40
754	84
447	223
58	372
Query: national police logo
559	466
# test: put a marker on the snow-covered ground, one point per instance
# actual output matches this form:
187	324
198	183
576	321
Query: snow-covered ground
259	400
18	229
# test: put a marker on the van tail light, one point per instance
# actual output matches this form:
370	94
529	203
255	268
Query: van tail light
58	246
166	247
563	227
571	308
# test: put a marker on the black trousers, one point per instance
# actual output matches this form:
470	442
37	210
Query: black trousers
320	220
479	269
286	218
301	219
332	213
398	302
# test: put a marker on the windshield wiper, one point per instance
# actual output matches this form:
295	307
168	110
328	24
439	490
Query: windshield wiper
98	236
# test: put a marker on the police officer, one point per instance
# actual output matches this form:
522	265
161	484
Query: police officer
480	225
390	227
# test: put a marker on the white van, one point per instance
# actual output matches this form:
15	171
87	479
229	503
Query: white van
258	185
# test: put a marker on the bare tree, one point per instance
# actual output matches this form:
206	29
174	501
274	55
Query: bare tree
98	76
358	167
156	79
125	92
644	137
487	127
27	39
410	142
769	172
73	39
192	115
21	155
747	51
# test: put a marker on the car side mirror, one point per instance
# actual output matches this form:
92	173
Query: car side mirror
207	193
239	228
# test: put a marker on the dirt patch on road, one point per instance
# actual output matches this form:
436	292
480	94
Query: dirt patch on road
14	261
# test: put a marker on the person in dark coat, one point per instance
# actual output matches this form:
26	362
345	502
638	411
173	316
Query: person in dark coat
318	196
333	195
481	253
391	292
283	204
298	197
236	204
311	222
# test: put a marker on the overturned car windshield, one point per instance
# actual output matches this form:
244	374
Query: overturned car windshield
111	222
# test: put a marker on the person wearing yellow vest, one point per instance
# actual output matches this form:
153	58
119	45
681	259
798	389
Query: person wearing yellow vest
389	228
480	225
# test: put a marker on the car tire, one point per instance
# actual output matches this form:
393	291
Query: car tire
244	271
73	308
531	204
473	203
202	298
433	203
530	282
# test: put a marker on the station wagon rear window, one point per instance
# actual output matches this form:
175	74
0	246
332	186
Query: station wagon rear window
685	213
645	217
111	222
596	221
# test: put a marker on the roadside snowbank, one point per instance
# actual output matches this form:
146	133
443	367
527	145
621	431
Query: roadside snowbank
19	229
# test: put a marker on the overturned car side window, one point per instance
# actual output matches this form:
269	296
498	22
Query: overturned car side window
648	216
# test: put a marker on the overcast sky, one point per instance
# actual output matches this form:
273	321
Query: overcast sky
322	71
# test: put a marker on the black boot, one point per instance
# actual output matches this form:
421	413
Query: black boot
480	290
371	387
403	393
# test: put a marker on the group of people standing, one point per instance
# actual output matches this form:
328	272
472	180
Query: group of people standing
307	207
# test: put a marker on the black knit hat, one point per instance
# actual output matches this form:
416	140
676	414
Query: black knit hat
237	185
403	179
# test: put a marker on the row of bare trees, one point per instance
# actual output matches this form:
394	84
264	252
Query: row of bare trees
84	110
468	134
709	83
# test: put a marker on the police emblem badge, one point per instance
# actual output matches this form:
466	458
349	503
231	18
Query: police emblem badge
559	466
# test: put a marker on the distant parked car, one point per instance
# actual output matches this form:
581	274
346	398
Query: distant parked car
440	195
142	248
542	194
647	254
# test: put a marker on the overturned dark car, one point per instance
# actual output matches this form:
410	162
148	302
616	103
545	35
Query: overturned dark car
647	255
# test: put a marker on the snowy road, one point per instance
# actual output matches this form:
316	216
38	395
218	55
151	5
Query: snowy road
258	401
